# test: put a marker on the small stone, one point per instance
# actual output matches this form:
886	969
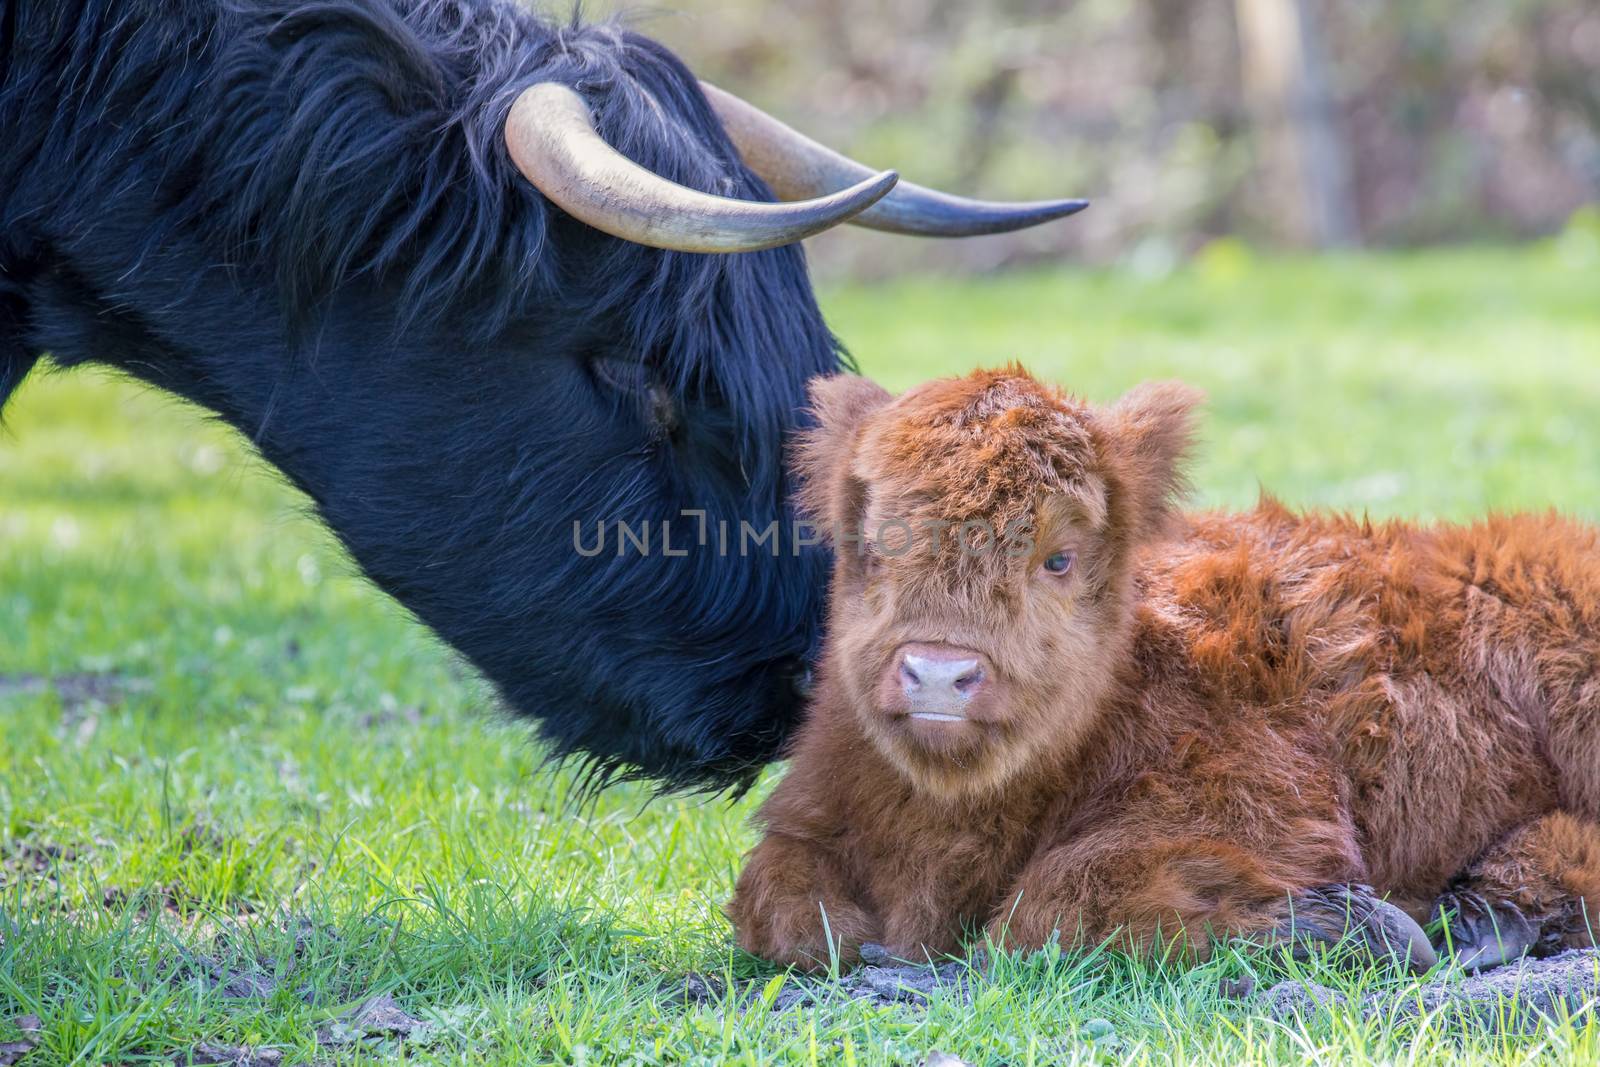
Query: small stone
943	1059
1097	1030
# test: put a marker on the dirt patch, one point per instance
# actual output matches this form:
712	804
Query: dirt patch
1514	998
215	1055
235	970
176	900
377	1021
231	983
1510	999
29	856
375	1024
75	691
880	979
13	1051
36	862
82	696
172	901
409	715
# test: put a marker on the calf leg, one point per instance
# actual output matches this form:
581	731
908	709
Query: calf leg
793	906
1186	891
1537	890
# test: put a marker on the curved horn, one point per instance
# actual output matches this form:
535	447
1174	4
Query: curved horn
797	167
550	133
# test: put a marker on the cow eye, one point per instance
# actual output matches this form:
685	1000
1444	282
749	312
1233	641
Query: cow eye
1060	563
631	378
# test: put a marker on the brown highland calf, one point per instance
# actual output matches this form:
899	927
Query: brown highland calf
1162	727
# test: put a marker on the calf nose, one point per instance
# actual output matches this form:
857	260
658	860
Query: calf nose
939	680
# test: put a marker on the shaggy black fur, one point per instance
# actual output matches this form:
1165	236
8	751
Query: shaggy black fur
301	215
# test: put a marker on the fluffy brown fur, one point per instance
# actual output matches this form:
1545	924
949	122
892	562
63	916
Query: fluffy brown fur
1205	722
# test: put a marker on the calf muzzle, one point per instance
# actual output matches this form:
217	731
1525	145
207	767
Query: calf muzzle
935	683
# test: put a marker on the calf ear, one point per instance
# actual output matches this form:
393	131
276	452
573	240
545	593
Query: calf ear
1147	436
840	403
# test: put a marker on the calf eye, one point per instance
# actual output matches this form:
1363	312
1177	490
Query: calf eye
1060	563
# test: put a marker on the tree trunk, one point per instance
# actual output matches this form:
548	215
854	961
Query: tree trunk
1304	160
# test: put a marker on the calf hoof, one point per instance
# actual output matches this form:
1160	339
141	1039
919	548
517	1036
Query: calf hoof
1481	933
1352	914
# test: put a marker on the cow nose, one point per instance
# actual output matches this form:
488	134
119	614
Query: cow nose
939	680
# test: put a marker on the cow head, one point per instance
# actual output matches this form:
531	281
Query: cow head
982	592
489	290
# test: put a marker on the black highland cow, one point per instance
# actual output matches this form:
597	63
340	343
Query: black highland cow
352	229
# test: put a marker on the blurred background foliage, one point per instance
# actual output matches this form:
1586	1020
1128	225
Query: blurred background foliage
1309	123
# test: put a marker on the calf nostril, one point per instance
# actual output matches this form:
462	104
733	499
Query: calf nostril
969	681
908	678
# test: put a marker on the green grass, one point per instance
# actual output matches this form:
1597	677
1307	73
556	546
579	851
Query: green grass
259	759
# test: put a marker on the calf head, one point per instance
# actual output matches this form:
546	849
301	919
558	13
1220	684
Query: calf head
984	530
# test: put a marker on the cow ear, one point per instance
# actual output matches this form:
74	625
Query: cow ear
829	494
1147	436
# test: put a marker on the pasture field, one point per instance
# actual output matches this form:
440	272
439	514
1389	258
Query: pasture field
241	793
